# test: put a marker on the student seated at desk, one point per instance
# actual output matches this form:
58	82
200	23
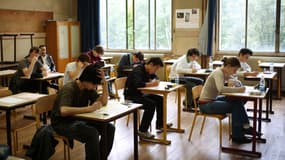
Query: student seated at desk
46	59
74	69
95	56
187	64
29	67
129	61
144	76
80	96
245	69
211	103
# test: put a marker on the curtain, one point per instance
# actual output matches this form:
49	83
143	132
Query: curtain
88	16
207	29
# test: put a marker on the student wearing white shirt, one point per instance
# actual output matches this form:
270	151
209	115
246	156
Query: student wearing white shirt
211	103
74	69
245	69
187	64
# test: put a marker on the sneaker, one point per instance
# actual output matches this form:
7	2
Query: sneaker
145	135
241	140
249	131
159	129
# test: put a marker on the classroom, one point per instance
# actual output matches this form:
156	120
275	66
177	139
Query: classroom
142	79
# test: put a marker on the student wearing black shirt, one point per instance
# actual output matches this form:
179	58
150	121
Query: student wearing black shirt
144	76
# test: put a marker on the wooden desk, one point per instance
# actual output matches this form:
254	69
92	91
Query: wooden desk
200	73
161	90
5	75
114	110
50	76
12	102
269	78
107	59
256	99
8	66
217	63
279	67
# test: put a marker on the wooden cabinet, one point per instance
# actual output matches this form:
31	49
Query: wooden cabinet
63	42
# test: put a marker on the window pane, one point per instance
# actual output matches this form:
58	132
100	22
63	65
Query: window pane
103	28
163	24
261	25
141	24
232	24
152	25
117	24
130	25
282	27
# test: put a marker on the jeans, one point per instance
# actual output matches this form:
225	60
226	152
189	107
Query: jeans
222	105
189	83
150	103
88	133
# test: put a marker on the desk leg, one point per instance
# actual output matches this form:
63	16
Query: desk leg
279	72
164	117
179	109
136	155
259	139
270	97
253	152
104	140
8	130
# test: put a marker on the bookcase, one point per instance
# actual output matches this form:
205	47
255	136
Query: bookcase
63	42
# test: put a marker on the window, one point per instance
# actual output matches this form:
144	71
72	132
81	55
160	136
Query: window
249	23
136	24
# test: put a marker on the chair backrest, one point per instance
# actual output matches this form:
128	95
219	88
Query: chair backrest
43	105
5	92
120	84
196	91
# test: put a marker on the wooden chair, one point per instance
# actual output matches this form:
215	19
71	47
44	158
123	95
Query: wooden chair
42	106
196	91
120	84
18	124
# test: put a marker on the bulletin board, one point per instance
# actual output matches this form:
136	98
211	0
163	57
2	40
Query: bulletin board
23	21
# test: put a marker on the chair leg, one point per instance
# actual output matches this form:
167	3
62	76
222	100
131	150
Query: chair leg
203	123
68	152
128	119
64	150
192	127
230	127
221	132
15	144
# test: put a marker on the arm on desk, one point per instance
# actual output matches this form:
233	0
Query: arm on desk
70	111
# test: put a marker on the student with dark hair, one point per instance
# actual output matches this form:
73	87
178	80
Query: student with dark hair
187	64
212	103
46	59
74	69
144	76
245	69
129	61
95	54
80	96
28	67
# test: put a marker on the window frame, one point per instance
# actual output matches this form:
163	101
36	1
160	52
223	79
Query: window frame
276	51
149	50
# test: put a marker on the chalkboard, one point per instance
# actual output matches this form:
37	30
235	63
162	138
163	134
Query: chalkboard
23	21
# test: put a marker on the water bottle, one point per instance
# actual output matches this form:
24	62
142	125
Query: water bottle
210	63
271	67
112	72
262	84
176	79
